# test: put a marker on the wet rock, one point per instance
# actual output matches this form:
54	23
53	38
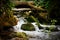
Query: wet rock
54	36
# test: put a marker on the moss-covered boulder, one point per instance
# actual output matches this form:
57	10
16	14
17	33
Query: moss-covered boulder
28	27
19	36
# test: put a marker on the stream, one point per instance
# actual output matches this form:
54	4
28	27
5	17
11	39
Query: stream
37	34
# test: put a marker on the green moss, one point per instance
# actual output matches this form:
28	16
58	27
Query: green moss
19	35
28	27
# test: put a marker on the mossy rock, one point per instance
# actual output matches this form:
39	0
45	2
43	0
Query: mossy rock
19	35
28	27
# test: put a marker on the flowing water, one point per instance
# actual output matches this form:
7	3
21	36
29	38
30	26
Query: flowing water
35	34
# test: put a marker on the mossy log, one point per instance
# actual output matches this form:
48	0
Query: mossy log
29	4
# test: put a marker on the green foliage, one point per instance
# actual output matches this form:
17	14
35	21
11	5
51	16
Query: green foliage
44	3
29	19
53	22
36	20
5	6
52	7
52	25
37	2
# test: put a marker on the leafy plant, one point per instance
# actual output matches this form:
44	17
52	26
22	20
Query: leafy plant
6	5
